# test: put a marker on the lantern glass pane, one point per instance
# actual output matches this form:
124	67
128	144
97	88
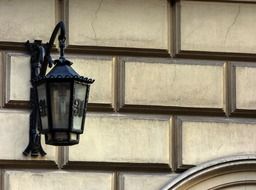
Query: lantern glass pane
60	101
42	103
78	105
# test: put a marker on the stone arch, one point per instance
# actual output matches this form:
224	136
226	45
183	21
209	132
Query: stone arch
230	173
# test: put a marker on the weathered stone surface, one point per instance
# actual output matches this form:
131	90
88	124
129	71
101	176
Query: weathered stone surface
204	139
132	23
57	180
26	20
143	181
1	79
14	130
17	77
100	69
231	30
182	83
123	138
245	88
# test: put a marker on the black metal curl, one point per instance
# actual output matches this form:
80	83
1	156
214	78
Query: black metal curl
40	60
48	47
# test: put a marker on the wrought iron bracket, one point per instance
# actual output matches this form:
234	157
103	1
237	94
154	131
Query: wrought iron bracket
34	147
39	61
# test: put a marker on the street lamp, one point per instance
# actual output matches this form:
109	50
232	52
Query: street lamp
58	99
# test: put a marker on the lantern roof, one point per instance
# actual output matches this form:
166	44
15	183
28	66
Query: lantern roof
63	70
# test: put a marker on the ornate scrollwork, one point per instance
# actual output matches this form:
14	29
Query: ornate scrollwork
78	107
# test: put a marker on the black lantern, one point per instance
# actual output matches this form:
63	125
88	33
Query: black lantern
62	100
59	99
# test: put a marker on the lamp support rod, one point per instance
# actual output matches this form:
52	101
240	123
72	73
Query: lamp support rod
39	61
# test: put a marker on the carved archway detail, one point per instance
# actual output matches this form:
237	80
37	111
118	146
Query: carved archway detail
228	173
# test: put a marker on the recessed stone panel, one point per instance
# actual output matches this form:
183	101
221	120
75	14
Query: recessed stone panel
144	181
57	180
123	139
203	139
14	130
17	77
130	23
177	83
232	29
244	88
26	20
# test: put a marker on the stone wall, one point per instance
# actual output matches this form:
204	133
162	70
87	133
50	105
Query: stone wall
175	87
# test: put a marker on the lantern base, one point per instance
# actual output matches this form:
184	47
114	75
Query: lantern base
61	139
